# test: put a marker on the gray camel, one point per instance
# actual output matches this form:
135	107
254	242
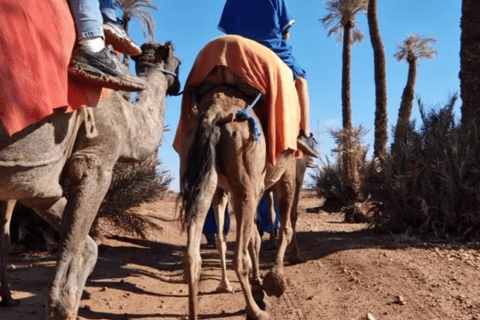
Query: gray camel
35	162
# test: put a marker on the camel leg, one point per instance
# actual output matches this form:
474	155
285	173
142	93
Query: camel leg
193	259
295	257
6	212
220	201
90	183
257	288
53	215
272	215
274	282
245	205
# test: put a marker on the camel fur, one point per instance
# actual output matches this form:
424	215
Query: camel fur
219	156
35	162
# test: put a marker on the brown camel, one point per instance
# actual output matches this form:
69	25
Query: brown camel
293	252
35	162
218	156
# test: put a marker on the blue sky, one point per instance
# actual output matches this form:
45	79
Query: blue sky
192	24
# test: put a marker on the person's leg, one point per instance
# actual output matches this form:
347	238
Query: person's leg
88	18
305	141
302	91
108	9
91	61
114	30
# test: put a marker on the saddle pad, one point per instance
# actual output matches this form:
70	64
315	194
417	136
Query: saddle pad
36	42
260	68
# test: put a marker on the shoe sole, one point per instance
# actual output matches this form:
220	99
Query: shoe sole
306	150
121	44
96	77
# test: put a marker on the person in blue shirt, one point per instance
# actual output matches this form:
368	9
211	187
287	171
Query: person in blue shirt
268	22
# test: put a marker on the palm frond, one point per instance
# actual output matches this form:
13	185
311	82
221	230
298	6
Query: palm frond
415	47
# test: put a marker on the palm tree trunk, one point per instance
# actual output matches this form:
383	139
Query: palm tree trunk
126	57
381	118
406	105
347	62
470	64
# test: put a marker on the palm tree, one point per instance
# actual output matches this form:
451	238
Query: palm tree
470	64
381	118
137	10
414	47
340	20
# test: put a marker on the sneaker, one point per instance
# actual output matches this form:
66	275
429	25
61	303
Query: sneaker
116	36
103	69
307	145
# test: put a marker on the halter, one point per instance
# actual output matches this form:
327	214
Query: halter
172	73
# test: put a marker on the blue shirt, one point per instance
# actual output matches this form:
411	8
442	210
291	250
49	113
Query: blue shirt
264	21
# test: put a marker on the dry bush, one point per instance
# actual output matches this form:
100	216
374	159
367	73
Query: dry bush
342	180
133	184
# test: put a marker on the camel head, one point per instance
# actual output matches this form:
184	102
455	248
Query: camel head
158	56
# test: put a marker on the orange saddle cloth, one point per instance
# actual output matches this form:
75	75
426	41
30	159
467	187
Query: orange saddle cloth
36	42
260	68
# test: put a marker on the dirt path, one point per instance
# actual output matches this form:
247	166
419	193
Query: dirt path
348	273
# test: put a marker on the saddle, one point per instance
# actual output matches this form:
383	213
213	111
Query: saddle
252	68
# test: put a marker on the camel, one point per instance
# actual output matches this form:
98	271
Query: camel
36	161
218	156
293	251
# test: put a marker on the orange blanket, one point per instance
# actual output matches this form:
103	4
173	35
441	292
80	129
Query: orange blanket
36	42
262	69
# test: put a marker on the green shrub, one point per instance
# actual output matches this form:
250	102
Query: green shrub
432	182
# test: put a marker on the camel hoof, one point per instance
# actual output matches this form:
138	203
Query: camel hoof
259	316
262	303
223	289
9	302
272	244
274	284
295	260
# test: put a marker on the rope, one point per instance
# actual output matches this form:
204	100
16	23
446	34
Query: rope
244	113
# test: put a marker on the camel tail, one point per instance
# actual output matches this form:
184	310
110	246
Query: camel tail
200	165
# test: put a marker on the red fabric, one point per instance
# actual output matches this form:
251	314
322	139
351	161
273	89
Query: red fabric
262	69
36	42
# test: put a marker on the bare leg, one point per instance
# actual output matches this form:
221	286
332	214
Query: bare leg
193	259
6	212
302	90
220	201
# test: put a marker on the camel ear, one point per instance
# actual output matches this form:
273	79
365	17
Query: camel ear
169	49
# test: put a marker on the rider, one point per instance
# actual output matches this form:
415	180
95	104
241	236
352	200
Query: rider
268	22
97	24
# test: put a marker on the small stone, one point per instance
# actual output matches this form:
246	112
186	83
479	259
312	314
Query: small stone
370	316
400	300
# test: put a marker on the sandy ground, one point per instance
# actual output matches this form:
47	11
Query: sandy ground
349	273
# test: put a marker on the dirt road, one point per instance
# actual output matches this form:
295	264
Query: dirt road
349	274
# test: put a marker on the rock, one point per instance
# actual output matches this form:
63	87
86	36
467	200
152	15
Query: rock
370	316
399	299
